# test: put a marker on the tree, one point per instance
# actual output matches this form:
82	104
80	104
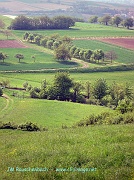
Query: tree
1	92
125	106
37	40
93	19
88	89
44	41
49	44
77	87
56	44
129	22
100	89
43	92
26	35
19	57
62	22
117	93
3	56
25	85
62	52
7	33
81	54
110	55
117	20
87	55
31	38
98	54
2	24
62	84
105	19
21	23
72	50
76	53
33	57
66	40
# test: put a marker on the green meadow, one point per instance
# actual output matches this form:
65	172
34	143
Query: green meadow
84	30
47	113
42	60
65	152
123	55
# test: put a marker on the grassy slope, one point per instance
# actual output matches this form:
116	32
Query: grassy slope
7	22
17	79
107	148
49	113
2	103
123	55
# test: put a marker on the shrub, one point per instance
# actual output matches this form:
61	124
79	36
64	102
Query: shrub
93	101
124	106
107	118
129	118
8	125
29	126
117	119
81	99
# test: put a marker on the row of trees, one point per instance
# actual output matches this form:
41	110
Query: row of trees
107	19
43	22
4	56
64	50
65	88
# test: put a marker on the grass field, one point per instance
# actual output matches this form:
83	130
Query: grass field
85	30
109	149
17	79
123	55
42	60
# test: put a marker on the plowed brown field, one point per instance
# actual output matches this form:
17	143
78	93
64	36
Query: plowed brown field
11	44
123	42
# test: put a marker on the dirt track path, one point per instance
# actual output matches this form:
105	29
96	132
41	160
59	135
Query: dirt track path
8	99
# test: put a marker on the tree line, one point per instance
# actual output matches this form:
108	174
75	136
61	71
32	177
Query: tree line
44	22
64	88
64	48
117	20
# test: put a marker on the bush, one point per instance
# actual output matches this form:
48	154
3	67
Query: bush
81	99
117	119
34	93
8	125
129	118
93	101
29	127
107	118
